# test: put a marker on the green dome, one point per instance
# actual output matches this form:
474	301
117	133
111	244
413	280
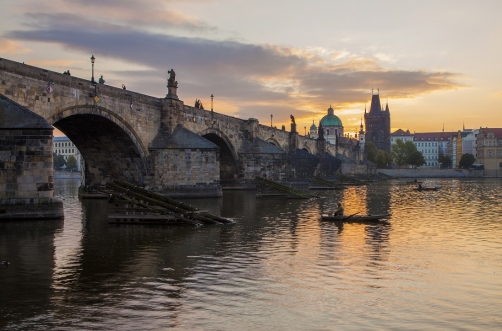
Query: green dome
331	119
313	127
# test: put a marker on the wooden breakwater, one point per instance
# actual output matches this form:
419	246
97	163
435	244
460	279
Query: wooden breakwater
134	205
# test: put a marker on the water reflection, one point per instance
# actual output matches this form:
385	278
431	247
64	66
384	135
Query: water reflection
28	246
279	267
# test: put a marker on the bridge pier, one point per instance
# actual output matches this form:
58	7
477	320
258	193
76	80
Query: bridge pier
26	166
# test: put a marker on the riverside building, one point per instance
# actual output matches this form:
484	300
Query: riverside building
65	147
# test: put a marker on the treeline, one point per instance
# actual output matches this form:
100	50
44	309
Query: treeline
60	162
405	154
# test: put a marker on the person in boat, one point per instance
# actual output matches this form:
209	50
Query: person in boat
419	186
339	210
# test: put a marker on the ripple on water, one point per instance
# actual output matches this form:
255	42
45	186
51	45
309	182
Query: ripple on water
436	265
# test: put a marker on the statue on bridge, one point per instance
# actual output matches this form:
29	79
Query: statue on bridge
198	104
320	134
292	119
172	79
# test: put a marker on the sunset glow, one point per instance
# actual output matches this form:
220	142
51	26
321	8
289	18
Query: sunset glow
432	66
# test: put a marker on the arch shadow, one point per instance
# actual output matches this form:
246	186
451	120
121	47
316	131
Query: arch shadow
228	156
109	145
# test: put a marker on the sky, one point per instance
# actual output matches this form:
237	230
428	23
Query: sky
436	63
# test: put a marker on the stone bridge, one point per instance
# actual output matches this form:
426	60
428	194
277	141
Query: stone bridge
157	141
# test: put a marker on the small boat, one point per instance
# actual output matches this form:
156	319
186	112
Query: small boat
427	188
355	218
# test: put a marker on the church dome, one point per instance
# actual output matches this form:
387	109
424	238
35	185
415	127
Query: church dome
313	127
331	119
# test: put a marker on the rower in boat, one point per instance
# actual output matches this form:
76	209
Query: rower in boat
339	210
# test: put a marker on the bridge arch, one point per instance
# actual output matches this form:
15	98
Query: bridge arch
109	145
274	142
228	156
306	149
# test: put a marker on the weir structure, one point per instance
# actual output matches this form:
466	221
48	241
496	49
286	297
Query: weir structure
165	145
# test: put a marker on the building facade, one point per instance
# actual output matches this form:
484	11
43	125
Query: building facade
65	147
404	136
431	145
377	124
489	150
332	126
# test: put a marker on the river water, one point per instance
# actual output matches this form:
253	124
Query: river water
436	265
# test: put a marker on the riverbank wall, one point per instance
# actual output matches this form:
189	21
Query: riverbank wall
58	174
433	173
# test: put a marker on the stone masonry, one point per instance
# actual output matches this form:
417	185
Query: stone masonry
26	167
114	129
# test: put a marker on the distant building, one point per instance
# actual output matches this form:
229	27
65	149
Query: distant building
431	145
404	136
377	123
362	138
332	126
313	131
489	150
65	147
462	142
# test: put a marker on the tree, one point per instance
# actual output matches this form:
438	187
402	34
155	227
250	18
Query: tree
71	163
58	161
371	151
444	160
405	153
416	159
383	159
466	161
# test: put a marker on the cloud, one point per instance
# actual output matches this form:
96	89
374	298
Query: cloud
256	78
141	14
54	63
12	47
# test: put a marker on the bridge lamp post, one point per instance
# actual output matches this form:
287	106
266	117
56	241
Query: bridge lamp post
271	116
305	130
92	61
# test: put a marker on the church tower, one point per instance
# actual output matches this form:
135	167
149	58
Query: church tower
362	137
377	122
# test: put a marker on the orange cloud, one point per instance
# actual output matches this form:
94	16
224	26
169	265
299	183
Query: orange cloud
12	47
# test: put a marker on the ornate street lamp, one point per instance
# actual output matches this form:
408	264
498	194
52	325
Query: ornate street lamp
92	61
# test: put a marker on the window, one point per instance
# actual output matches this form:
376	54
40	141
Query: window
490	154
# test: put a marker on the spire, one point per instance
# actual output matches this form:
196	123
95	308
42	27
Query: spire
375	107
